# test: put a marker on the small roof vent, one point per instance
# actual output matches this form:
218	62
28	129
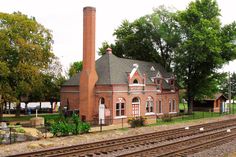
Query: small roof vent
152	68
109	50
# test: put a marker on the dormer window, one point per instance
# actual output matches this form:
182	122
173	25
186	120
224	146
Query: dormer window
157	81
171	82
135	81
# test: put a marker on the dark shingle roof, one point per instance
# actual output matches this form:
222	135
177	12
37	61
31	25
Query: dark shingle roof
113	70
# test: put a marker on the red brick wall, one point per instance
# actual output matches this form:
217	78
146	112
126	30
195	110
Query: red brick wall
111	95
72	94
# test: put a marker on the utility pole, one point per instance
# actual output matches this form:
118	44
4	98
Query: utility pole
230	106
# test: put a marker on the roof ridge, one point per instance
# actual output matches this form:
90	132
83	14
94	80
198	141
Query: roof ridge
109	69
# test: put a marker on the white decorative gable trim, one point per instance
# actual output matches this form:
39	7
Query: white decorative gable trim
152	68
135	68
158	74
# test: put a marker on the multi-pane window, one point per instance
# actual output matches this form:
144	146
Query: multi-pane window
159	107
170	105
173	106
120	107
149	104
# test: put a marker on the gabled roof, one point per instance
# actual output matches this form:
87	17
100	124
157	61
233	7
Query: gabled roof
216	96
114	70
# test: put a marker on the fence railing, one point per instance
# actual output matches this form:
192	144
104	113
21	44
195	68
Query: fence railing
12	133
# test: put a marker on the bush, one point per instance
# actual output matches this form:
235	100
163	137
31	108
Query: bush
20	130
166	118
137	121
67	126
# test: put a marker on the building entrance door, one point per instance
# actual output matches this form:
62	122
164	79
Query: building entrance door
101	117
101	114
135	107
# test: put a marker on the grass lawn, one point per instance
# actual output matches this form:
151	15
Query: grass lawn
48	116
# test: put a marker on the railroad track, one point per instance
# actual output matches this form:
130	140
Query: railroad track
185	147
104	148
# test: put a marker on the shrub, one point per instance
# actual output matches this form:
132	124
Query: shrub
67	126
137	121
166	118
20	130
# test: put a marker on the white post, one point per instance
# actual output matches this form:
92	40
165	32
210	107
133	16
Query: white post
36	113
230	107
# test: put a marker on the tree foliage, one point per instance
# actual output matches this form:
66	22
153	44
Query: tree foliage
204	48
25	53
225	86
192	41
75	68
152	38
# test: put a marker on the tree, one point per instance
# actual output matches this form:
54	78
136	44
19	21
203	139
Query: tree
25	48
152	37
204	48
76	67
225	86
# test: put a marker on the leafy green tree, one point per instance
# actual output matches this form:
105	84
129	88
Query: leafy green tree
153	37
225	86
204	48
25	48
48	86
75	68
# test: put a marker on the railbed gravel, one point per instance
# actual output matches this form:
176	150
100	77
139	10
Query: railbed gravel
225	150
30	146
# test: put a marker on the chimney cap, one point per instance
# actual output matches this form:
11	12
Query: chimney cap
89	8
109	50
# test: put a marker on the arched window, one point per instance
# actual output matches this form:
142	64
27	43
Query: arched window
159	106
173	106
135	81
120	107
149	104
102	100
135	100
170	106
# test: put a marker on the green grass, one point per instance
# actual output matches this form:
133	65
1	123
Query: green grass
183	106
27	118
187	118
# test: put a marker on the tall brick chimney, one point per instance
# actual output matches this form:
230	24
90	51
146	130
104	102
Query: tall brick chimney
88	76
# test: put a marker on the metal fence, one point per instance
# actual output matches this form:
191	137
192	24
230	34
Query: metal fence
11	134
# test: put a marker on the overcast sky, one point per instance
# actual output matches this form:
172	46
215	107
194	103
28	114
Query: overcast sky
64	19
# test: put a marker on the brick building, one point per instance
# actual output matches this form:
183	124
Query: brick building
115	88
216	103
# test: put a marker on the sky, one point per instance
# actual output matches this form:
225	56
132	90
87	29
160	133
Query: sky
64	19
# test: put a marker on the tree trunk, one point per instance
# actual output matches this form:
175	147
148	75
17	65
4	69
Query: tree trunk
51	107
9	108
1	106
40	105
1	111
190	102
26	108
18	108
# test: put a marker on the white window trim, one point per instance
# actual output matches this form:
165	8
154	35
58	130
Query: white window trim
120	117
136	85
149	113
159	113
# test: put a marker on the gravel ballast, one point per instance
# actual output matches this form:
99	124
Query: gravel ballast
6	150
